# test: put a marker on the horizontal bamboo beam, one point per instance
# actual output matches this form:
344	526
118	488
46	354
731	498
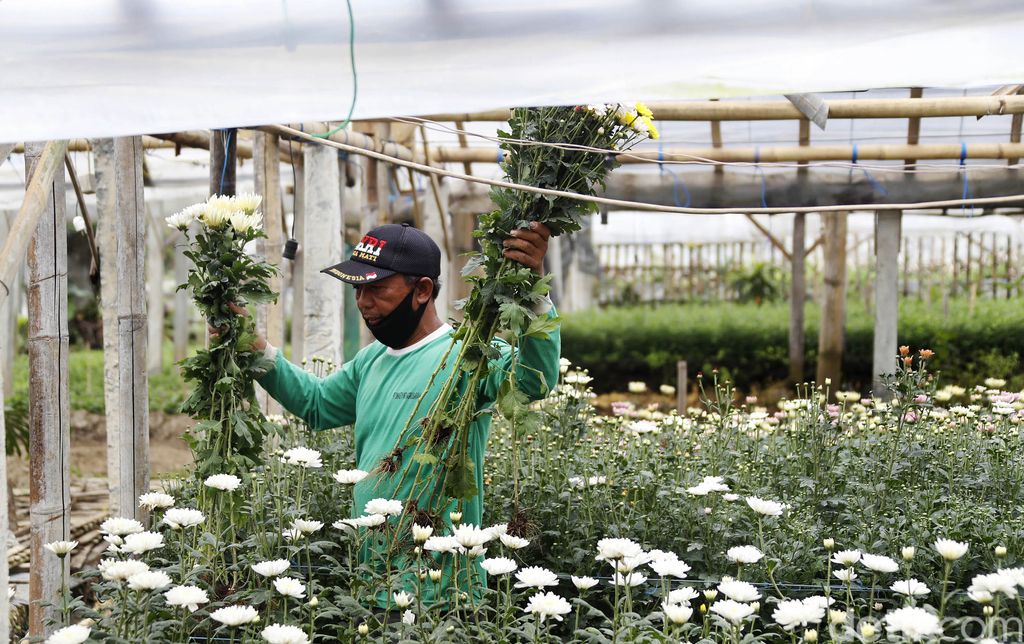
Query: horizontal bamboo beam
354	139
82	145
868	108
775	154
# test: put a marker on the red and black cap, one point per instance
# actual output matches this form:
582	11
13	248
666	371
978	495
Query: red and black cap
387	250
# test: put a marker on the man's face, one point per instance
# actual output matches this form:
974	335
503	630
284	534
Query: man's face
378	299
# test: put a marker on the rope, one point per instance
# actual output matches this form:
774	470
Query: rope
676	181
965	195
875	185
760	171
224	167
636	205
355	76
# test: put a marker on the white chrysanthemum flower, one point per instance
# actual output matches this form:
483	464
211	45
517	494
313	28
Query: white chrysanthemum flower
74	634
293	534
306	526
290	587
846	557
630	579
662	555
244	223
617	548
149	580
996	582
224	482
113	570
637	386
744	554
497	530
184	218
910	588
217	212
367	521
950	550
583	583
476	551
142	542
629	564
683	595
715	484
284	634
115	542
499	566
189	597
669	568
644	427
879	563
667	390
408	618
61	548
732	611
402	599
740	591
178	518
846	574
913	623
235	615
676	613
303	457
387	507
995	383
535	577
764	506
350	477
546	605
271	568
155	501
444	545
120	526
791	613
470	536
421	533
513	543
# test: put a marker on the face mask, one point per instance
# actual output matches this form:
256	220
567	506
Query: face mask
395	328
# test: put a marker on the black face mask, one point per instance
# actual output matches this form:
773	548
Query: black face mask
394	329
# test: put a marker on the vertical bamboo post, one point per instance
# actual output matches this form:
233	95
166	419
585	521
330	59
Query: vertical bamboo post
5	603
155	294
182	304
682	387
833	307
435	221
797	299
49	495
322	327
887	248
267	180
223	161
298	272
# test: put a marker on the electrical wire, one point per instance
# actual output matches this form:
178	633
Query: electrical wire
635	205
355	76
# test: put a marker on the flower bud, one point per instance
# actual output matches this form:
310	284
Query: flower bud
867	630
435	575
829	543
908	361
710	595
836	617
364	630
987	611
810	635
313	602
703	609
904	350
455	516
908	553
1000	551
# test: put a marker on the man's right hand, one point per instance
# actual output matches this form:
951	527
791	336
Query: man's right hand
260	344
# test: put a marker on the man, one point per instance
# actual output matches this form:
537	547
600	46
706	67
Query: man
395	271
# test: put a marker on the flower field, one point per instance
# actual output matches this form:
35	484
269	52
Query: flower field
860	521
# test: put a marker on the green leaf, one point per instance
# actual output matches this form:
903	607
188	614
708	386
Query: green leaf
542	326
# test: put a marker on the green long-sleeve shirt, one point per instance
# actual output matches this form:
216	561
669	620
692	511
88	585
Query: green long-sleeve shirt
377	391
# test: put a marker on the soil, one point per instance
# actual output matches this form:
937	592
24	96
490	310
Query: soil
168	452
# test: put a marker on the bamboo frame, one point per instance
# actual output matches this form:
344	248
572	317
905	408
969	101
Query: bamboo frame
881	108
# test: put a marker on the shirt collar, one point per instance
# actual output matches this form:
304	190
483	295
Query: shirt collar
440	332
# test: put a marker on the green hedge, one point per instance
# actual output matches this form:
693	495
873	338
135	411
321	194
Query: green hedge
749	343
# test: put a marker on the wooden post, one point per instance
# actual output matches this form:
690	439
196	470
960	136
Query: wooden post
887	248
223	161
682	387
435	221
49	429
267	175
323	322
797	300
182	303
155	294
5	604
298	272
122	236
833	306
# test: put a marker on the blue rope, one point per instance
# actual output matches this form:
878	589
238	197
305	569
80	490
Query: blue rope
501	155
224	168
875	184
760	172
966	194
677	183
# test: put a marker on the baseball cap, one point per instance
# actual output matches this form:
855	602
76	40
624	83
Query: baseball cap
387	250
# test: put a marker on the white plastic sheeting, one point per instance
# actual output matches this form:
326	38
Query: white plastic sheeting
70	68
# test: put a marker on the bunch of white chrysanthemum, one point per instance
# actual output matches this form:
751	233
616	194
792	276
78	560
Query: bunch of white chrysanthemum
546	605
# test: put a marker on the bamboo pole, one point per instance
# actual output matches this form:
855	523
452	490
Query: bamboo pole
154	290
913	127
797	299
182	304
5	602
881	108
887	248
779	154
354	139
48	386
270	317
85	145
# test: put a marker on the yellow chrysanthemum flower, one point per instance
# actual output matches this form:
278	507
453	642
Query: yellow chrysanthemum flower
643	110
651	130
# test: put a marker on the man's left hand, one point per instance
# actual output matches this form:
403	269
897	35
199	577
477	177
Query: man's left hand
528	246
